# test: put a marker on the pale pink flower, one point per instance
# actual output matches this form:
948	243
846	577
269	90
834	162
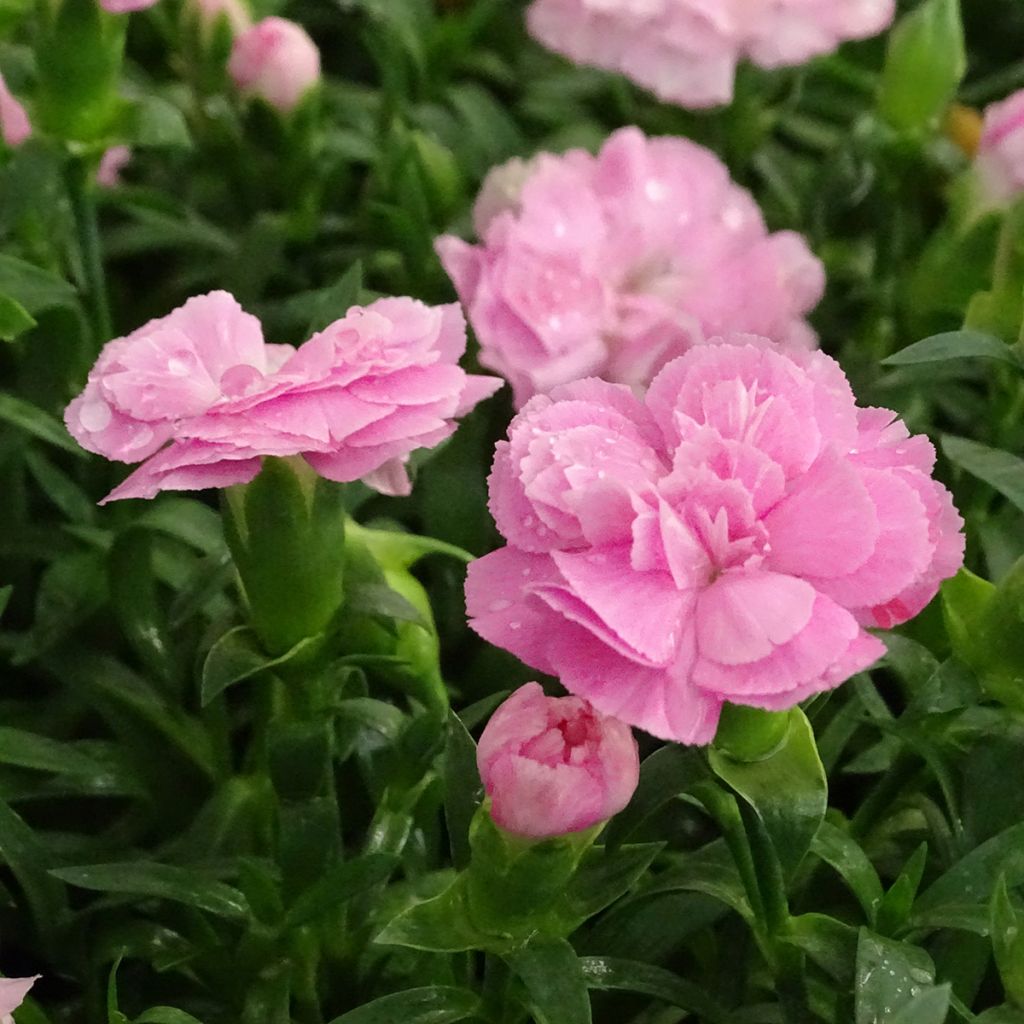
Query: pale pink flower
355	400
1000	159
612	265
113	161
686	51
727	538
554	765
12	995
125	6
276	60
15	126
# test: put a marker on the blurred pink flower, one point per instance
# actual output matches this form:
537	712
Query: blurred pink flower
554	765
276	60
729	537
686	51
1000	159
612	265
125	6
113	161
15	126
12	995
355	400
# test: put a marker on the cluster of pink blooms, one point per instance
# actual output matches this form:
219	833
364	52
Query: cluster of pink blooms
726	538
612	265
12	995
553	765
202	398
1000	159
686	51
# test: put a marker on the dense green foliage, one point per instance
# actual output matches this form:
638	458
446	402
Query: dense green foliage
189	822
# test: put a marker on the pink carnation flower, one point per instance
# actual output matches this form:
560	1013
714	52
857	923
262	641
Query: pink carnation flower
727	538
612	265
354	400
12	995
554	765
686	51
276	60
15	126
1000	159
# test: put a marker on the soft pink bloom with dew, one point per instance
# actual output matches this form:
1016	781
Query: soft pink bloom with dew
612	265
12	995
125	6
15	126
201	398
1000	159
554	765
277	61
113	161
727	538
686	51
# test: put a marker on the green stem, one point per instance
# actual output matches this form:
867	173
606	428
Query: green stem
81	191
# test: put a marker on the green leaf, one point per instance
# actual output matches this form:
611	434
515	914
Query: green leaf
34	289
5	597
925	63
889	976
463	790
342	883
15	320
114	1014
65	494
368	598
238	656
788	789
602	877
134	597
664	775
842	852
1000	470
556	987
166	1015
609	974
160	881
898	901
32	420
333	303
153	122
435	1004
930	1007
1007	931
829	943
956	345
440	925
963	893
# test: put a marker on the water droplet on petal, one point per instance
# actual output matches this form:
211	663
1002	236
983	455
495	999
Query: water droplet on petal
95	415
500	606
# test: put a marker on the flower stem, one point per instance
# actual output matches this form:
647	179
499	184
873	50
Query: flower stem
83	206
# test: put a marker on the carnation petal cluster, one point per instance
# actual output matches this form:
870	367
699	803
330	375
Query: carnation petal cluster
730	537
201	397
611	265
687	51
275	60
554	765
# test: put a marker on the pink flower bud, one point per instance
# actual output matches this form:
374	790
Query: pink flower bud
553	765
14	123
1000	160
113	161
275	60
12	995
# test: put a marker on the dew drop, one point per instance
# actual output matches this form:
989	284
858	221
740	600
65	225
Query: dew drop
95	415
500	606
